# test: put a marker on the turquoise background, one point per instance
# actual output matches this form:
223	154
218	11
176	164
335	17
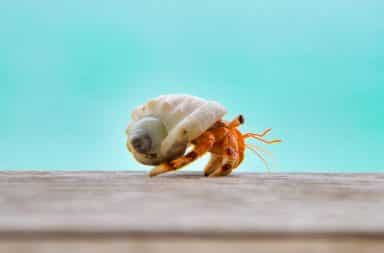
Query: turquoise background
71	72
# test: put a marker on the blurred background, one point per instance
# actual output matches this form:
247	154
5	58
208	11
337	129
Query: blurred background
72	71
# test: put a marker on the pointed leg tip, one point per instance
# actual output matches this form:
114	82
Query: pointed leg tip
162	168
152	174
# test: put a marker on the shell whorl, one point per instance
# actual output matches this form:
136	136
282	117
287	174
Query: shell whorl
185	118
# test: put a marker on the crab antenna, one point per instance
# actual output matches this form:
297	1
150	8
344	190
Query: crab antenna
264	133
265	141
260	135
261	150
254	150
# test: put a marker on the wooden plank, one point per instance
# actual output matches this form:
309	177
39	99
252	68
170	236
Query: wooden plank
192	245
249	209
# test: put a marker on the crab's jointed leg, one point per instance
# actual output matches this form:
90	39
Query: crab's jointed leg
202	144
214	163
229	160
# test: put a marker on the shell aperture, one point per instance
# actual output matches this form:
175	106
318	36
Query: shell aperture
144	139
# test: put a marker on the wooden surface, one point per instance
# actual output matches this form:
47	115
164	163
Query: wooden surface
120	211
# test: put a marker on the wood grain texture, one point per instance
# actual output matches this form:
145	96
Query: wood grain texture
248	209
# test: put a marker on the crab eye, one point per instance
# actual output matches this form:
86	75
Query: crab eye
145	136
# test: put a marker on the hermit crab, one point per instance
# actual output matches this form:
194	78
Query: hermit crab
164	129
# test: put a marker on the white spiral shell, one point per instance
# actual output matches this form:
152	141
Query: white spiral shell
185	117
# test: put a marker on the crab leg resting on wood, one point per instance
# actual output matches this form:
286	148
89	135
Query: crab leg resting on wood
164	128
225	143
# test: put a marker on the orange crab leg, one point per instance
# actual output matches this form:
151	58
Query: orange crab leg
224	170
202	144
213	164
230	157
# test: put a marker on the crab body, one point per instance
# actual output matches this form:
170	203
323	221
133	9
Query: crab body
164	128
